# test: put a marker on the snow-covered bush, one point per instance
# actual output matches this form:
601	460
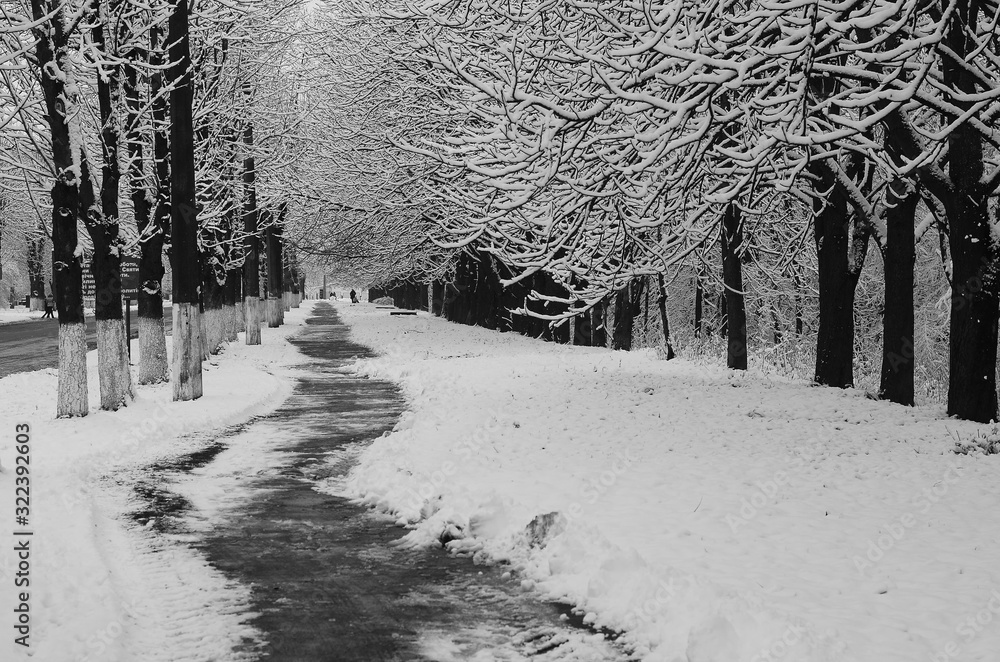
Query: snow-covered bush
983	441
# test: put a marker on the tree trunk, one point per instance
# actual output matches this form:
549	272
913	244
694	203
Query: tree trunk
275	288
723	313
231	305
974	303
153	366
622	333
661	303
598	330
289	277
900	253
422	300
36	273
53	55
251	264
213	297
112	345
837	282
699	303
113	371
732	276
797	284
186	370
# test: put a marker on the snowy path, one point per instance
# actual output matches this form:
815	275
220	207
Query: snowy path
103	589
327	581
712	516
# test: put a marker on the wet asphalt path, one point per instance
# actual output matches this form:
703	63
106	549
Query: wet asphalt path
34	345
328	585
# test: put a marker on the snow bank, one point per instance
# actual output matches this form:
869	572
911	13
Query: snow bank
18	314
101	587
710	515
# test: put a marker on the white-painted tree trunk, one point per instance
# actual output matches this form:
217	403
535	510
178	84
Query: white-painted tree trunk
112	365
252	320
216	322
202	336
73	397
36	303
286	301
229	329
273	313
239	319
153	367
186	359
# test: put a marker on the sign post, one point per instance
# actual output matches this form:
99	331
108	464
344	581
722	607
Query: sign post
130	289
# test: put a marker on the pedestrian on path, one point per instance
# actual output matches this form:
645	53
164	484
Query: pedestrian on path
50	305
354	297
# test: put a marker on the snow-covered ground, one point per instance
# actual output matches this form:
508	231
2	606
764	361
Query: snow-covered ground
102	589
713	516
18	314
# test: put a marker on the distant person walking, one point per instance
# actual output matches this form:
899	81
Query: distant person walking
50	306
354	297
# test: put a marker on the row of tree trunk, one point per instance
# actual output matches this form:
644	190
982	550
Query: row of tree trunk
207	285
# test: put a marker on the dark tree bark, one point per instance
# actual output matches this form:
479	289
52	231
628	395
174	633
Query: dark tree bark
289	277
723	314
975	302
251	245
103	226
797	284
582	329
437	303
232	296
153	367
661	303
36	273
186	372
102	222
213	297
622	334
732	276
53	55
233	300
423	302
471	289
838	277
512	298
275	272
899	257
628	306
699	303
599	332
